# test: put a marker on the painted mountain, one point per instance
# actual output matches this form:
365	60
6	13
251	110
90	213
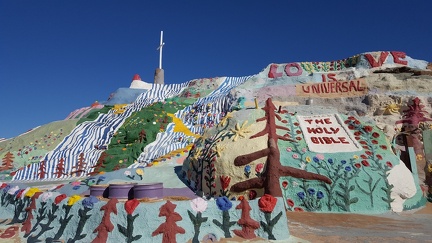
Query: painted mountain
352	135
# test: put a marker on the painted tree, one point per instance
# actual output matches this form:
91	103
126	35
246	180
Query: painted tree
100	164
269	179
413	116
42	169
80	166
7	161
60	168
169	228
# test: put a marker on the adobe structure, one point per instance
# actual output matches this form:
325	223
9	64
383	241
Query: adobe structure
225	157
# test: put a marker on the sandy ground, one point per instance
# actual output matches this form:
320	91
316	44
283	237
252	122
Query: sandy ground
413	226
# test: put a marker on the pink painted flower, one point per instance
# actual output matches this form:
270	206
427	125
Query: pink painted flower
76	183
295	156
198	204
289	149
320	156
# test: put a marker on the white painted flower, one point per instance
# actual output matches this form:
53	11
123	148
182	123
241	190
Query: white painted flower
46	195
127	173
24	192
13	190
198	204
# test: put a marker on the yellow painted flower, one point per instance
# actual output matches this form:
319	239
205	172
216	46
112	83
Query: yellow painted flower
419	157
73	199
32	191
430	168
139	172
308	159
355	157
124	149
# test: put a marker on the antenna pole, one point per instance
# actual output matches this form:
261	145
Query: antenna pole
160	50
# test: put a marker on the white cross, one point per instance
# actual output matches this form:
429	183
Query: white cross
160	50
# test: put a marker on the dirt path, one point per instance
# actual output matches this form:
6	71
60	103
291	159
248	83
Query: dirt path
392	227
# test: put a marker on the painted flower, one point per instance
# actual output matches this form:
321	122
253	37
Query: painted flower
330	161
374	141
12	190
89	202
32	191
368	129
284	184
304	150
311	191
127	173
375	135
59	198
389	164
301	195
225	181
348	168
20	192
252	194
320	194
267	203
73	199
223	203
247	169
3	185
315	159
75	183
46	195
365	163
357	165
298	209
259	168
383	147
24	192
379	157
289	149
320	156
355	156
139	172
308	159
295	156
198	204
290	202
240	198
131	205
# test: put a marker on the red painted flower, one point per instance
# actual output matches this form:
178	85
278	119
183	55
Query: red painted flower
357	165
3	185
351	127
298	132
297	209
357	122
362	142
367	128
252	194
363	156
130	205
290	202
296	124
389	164
368	152
298	138
383	147
59	198
284	184
379	156
225	181
365	163
240	198
267	203
259	168
375	135
374	141
357	133
20	192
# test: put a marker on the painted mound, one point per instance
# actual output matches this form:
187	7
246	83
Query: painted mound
345	136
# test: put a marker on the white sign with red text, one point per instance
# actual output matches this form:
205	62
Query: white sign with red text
327	134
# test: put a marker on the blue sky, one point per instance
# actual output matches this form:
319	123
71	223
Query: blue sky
58	56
